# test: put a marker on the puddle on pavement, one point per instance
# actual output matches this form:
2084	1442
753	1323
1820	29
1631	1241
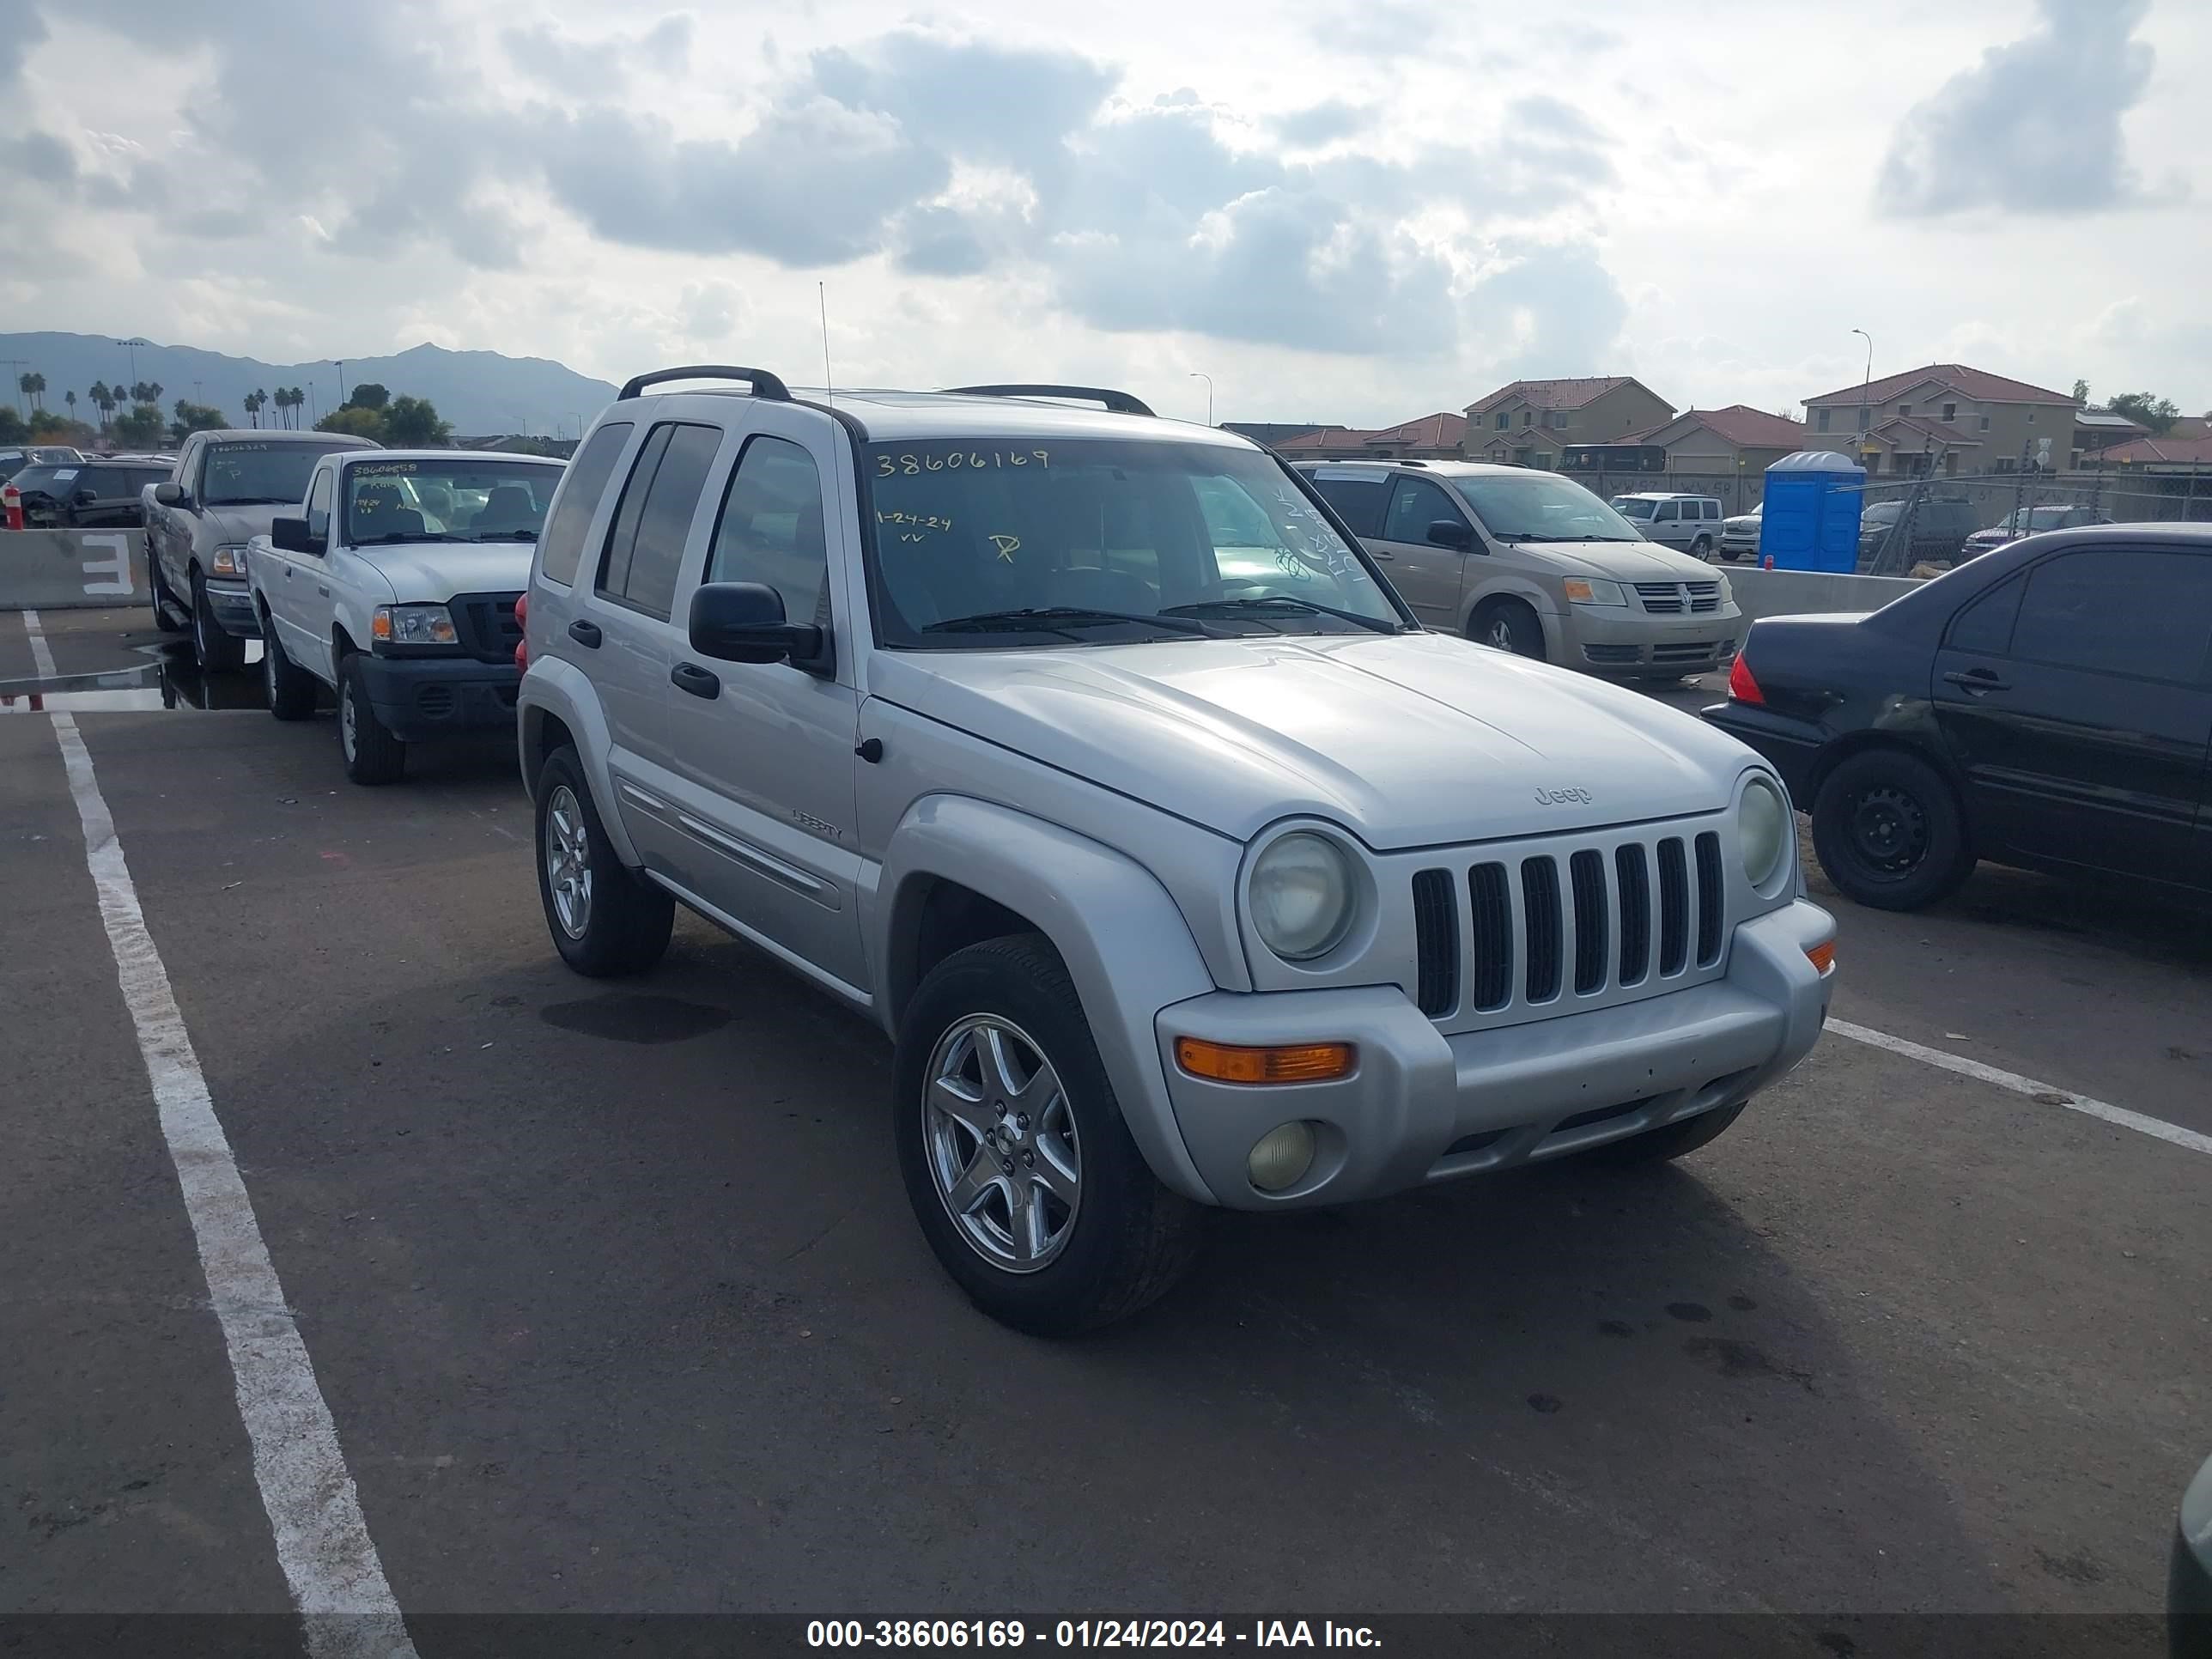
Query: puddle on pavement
169	680
637	1017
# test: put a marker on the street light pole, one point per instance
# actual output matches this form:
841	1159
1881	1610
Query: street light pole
131	345
1200	375
1865	384
340	362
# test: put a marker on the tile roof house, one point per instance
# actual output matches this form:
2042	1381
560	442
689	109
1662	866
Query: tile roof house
1529	423
2168	454
1738	441
1430	437
1956	419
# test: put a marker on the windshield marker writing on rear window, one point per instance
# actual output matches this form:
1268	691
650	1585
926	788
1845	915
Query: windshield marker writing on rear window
379	469
908	464
1007	546
916	525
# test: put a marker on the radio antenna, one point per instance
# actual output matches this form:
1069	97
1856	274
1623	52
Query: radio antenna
822	297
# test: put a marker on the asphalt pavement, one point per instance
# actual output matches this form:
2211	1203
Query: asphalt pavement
616	1305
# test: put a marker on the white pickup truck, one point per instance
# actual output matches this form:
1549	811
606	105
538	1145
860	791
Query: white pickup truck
395	586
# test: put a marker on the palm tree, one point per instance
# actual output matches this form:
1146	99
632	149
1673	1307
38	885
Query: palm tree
23	384
37	389
299	398
100	401
69	398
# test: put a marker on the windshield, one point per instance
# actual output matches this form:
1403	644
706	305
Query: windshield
460	500
261	475
1540	507
1144	539
1882	512
1629	507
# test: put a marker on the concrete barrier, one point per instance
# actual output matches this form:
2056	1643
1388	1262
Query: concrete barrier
1760	592
61	569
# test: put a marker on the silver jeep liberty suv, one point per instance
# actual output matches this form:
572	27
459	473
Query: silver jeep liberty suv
1088	755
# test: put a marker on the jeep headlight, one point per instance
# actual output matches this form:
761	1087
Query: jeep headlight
1593	590
229	560
413	624
1301	896
1763	830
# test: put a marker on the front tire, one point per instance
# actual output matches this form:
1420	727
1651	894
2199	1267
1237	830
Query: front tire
217	652
1508	625
1020	1169
291	688
373	755
604	922
1889	832
158	591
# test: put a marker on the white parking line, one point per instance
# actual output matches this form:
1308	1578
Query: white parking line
2049	1094
337	1584
42	656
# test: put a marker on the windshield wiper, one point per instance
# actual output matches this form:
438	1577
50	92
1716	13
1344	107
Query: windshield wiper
1057	619
1532	537
407	536
502	536
256	501
1232	607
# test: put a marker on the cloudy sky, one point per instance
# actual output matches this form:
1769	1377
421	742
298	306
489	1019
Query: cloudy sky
1354	209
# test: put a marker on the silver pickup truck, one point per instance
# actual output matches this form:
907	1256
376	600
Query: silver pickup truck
226	486
1088	755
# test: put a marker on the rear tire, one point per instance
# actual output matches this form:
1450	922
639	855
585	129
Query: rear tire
1508	625
605	922
217	652
291	689
1024	1254
373	755
1889	832
1669	1140
1702	548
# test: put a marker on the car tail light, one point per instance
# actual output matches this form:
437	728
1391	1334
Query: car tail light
522	621
1742	686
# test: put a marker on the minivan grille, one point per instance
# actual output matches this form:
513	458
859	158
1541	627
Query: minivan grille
1677	598
1630	914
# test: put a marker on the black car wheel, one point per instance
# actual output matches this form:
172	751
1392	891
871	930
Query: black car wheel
1508	625
291	688
158	591
1888	831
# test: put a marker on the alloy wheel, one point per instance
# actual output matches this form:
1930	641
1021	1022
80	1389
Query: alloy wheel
1001	1143
567	861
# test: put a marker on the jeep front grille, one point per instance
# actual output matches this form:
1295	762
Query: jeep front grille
1523	934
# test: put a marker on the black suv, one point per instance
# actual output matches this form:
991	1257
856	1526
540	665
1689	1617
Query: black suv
86	495
1940	528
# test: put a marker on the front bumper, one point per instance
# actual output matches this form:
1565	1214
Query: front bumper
232	604
423	697
1420	1106
1620	639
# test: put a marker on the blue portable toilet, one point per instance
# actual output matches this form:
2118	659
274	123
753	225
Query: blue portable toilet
1811	518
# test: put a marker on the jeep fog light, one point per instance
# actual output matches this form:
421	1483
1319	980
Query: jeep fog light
1281	1157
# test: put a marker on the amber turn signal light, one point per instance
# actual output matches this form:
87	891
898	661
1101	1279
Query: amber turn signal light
1822	957
1299	1062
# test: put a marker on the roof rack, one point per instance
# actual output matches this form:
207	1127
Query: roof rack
1119	402
764	384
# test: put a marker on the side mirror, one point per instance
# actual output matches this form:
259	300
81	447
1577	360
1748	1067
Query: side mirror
1450	532
743	622
292	535
84	498
170	494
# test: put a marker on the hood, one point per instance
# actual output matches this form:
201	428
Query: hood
1411	740
243	524
432	571
1624	561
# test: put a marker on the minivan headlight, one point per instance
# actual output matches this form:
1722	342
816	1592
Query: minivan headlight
1300	896
1763	830
1593	590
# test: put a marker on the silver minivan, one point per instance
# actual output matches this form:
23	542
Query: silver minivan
1692	523
1533	564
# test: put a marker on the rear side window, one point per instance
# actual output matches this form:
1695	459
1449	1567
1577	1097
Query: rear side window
2135	611
1712	509
563	547
1357	501
1984	626
655	519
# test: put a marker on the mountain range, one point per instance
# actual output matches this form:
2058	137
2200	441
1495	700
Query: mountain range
480	392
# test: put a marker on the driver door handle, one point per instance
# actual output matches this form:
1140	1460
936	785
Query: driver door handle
585	633
1978	679
690	677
